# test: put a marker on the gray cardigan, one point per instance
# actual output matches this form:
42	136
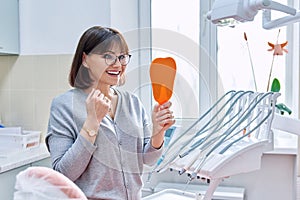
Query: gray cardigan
112	167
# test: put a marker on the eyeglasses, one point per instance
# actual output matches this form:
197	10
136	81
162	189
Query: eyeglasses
111	59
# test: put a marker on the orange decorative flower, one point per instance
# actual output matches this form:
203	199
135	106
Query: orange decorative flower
278	48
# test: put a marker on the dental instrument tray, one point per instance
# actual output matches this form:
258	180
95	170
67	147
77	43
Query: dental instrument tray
228	139
14	138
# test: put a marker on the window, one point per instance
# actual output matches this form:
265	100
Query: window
201	79
236	56
175	33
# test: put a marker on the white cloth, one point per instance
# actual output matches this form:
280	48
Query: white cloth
41	183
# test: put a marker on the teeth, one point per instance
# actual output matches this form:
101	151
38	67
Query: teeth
113	72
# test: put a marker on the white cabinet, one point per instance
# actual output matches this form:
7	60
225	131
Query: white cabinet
7	182
9	27
8	178
14	163
55	26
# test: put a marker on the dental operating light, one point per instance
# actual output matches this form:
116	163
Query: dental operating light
229	12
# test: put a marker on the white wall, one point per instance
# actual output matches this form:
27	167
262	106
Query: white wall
50	30
53	27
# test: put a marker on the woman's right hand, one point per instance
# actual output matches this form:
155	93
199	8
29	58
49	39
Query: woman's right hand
97	106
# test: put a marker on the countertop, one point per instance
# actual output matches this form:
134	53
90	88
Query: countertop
283	151
23	157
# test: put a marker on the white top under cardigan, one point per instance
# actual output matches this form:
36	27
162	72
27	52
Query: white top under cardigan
112	167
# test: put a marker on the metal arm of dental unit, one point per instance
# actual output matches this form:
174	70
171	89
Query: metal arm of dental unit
228	139
224	12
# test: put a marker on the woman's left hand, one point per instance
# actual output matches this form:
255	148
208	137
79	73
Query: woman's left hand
162	119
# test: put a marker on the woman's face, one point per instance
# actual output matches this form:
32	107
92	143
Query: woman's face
102	68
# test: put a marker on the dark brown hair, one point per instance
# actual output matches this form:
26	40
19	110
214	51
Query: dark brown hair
98	40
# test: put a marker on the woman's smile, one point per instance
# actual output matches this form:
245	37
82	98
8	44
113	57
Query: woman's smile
113	72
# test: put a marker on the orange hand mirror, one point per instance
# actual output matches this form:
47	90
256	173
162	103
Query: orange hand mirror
162	74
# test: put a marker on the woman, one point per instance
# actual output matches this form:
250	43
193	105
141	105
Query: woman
98	136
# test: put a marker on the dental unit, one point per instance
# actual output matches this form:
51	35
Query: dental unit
232	135
228	139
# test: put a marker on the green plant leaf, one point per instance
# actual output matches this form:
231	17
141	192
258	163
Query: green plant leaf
283	108
275	85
